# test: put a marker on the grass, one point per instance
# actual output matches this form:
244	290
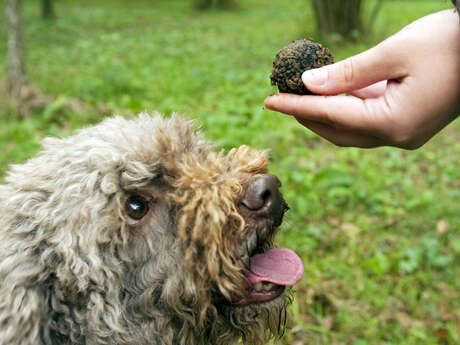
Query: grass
378	230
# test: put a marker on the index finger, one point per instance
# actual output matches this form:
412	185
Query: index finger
348	112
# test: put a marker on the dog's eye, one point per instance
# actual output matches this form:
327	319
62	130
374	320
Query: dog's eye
137	207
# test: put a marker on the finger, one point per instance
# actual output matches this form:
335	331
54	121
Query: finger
371	91
340	137
382	62
345	112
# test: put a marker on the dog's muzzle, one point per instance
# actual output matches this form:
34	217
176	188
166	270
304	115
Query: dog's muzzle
269	271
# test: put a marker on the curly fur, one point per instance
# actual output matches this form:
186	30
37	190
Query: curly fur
74	269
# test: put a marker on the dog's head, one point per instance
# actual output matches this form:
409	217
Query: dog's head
138	230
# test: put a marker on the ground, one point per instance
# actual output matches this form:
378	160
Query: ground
378	230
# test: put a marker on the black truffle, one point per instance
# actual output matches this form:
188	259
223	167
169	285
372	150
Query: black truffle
294	59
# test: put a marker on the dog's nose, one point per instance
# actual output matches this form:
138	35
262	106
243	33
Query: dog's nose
262	193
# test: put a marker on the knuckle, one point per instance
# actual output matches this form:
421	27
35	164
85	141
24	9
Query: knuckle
404	138
325	113
348	70
296	107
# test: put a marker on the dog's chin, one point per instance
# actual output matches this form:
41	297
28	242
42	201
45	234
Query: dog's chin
255	322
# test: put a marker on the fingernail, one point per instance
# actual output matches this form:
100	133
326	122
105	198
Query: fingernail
315	77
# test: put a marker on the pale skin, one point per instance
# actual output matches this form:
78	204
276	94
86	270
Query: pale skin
398	93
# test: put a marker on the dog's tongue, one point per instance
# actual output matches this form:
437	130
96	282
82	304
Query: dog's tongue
279	266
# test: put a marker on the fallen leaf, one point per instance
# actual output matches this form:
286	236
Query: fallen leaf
350	228
447	290
442	227
448	316
458	327
333	220
443	335
302	162
404	320
296	329
327	322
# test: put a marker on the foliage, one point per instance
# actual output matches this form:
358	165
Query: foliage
378	230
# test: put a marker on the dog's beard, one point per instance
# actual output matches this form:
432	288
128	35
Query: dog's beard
256	323
261	312
268	270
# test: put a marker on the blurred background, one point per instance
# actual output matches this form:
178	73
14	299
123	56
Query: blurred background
378	230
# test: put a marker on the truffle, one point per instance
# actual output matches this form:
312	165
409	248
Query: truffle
294	59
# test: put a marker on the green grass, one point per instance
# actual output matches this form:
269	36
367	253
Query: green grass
364	221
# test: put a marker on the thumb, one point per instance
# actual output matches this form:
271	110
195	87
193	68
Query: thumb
381	62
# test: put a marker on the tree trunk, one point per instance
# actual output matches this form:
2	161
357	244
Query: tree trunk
226	4
206	4
48	9
338	16
15	68
202	4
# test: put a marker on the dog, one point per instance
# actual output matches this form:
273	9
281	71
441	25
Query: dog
137	232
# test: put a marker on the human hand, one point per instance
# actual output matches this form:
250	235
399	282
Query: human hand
400	93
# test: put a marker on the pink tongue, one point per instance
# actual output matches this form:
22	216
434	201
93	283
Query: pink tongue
279	266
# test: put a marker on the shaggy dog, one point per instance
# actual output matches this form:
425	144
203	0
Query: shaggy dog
137	232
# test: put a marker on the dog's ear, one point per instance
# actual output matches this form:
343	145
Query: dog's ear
24	314
56	221
24	319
